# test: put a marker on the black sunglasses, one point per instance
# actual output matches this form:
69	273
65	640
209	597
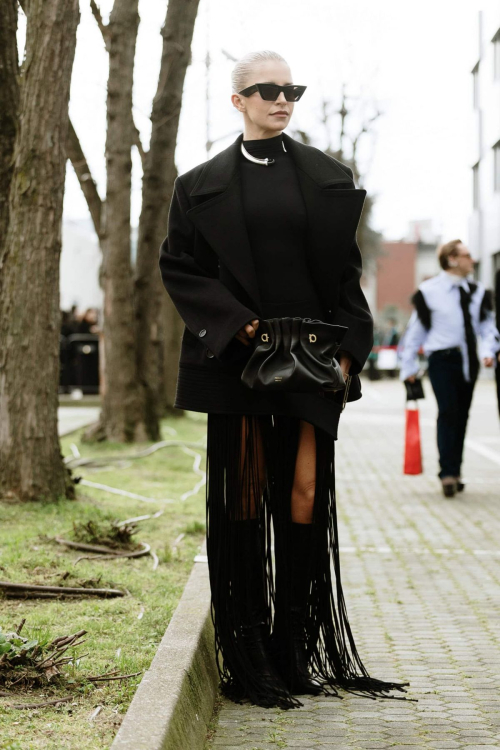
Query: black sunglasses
270	91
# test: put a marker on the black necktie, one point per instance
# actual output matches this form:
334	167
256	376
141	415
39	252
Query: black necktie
470	336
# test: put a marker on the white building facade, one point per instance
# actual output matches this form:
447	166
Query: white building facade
484	224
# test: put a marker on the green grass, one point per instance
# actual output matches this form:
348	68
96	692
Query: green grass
27	554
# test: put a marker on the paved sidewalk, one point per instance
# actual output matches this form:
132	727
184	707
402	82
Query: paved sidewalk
71	418
421	577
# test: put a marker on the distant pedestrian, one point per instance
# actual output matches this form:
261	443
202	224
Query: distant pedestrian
451	311
391	337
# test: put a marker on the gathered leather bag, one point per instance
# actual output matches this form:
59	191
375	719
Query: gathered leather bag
295	355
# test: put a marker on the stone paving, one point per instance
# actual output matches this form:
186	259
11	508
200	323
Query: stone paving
421	577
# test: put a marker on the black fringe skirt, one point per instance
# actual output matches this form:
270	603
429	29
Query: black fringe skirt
250	472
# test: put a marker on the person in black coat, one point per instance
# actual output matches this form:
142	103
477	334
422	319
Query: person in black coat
267	229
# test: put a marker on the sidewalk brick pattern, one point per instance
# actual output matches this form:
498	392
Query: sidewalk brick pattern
421	576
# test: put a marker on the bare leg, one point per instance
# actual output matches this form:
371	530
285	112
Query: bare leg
304	482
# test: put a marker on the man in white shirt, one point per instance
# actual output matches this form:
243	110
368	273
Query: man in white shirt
451	312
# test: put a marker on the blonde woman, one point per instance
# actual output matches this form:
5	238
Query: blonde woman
266	229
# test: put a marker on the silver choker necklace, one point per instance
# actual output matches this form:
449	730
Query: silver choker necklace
266	162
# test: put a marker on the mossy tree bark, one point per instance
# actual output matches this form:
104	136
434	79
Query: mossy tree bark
31	465
9	102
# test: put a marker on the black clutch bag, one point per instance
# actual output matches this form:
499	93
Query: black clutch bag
296	355
415	390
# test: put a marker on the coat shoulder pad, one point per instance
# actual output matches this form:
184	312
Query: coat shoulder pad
340	164
189	178
327	157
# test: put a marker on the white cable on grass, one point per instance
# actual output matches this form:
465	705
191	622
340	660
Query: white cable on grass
140	518
140	454
74	450
123	493
197	470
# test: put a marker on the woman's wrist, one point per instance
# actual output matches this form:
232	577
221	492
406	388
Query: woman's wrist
345	361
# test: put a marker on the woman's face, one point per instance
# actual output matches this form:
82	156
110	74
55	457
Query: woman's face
261	116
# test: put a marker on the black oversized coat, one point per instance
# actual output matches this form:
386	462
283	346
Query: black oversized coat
207	266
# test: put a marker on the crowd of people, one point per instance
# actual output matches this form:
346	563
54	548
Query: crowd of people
79	351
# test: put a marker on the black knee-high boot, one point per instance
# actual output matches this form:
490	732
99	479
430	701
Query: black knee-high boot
254	612
293	659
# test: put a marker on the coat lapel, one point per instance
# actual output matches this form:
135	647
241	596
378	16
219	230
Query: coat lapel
333	208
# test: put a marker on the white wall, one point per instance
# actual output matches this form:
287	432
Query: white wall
79	268
484	221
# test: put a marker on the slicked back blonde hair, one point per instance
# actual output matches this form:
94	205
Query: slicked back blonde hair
245	66
447	251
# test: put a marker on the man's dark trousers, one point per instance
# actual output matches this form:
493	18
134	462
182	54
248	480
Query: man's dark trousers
454	395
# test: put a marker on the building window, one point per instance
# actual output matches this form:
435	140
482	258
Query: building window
496	56
496	166
475	185
475	85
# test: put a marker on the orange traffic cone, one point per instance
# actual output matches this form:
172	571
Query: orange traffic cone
413	451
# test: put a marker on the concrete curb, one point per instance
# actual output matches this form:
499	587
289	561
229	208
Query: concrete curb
174	701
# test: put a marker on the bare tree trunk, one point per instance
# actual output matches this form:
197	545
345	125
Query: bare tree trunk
142	330
120	418
158	326
9	103
31	465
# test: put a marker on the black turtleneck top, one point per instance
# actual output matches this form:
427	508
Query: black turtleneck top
276	221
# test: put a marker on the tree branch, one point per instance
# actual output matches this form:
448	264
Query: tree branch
138	143
102	26
75	154
30	590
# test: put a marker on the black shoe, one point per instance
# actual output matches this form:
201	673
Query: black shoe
460	485
449	485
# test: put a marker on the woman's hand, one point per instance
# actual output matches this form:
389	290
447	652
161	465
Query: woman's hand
248	332
345	363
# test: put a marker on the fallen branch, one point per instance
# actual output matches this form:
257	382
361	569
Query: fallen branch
40	705
84	546
113	677
146	549
30	589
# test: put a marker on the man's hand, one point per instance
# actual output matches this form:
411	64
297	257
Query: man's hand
248	332
411	379
345	363
488	361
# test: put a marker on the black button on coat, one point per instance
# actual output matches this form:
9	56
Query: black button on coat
207	267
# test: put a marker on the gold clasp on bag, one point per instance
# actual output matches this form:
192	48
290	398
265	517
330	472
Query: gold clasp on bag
312	338
265	337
